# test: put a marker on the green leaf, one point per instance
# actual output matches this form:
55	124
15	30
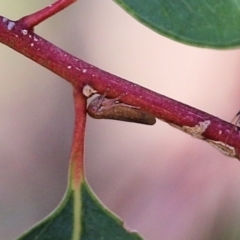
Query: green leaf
205	23
96	222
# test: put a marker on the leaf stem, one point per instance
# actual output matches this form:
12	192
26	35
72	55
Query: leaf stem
77	153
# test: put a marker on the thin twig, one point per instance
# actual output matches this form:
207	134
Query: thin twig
79	73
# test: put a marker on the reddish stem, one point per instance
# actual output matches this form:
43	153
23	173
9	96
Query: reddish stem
30	21
76	160
80	73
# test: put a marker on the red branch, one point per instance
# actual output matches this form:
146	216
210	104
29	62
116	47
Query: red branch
19	36
30	21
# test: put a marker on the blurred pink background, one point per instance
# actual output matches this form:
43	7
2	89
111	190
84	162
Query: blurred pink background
160	181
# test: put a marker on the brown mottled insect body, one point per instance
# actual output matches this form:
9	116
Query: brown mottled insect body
103	108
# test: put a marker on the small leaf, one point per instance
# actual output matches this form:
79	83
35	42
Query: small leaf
205	23
96	222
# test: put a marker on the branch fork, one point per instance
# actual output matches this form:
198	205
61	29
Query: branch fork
19	35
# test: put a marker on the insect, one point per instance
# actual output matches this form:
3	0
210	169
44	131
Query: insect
105	108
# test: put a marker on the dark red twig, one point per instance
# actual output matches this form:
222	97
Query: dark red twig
30	21
21	38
